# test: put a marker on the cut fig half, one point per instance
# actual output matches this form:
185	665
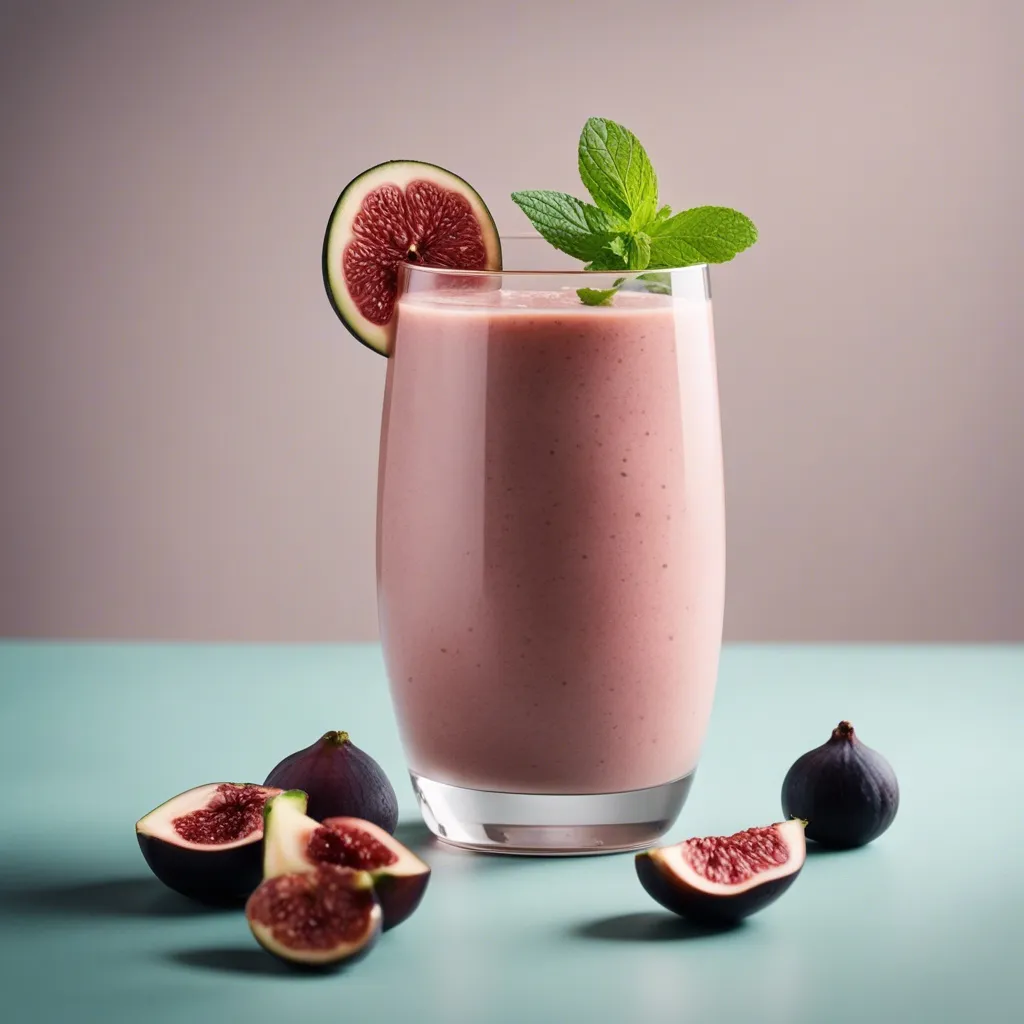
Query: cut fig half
207	843
402	211
719	880
318	918
296	843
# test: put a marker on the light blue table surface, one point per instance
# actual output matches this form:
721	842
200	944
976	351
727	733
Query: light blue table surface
926	924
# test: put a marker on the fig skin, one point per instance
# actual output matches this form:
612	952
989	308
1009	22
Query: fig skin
341	780
221	878
399	889
216	876
684	892
700	907
847	792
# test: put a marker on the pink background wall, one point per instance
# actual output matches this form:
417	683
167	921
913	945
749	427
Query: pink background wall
188	437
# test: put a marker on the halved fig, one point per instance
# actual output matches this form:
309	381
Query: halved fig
722	879
207	843
318	918
295	843
402	211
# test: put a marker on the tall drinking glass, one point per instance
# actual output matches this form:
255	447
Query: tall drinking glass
551	552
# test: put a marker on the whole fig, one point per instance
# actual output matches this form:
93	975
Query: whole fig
845	791
341	780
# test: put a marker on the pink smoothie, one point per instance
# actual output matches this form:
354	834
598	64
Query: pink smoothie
551	539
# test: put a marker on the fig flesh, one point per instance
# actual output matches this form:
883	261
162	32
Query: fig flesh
295	843
207	843
718	880
847	792
341	780
402	211
319	918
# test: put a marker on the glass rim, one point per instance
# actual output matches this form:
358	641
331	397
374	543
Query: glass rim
571	272
420	268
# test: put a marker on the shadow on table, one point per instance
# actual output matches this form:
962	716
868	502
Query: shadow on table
234	961
646	927
817	850
109	897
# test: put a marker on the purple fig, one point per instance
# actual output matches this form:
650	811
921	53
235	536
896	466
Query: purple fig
846	792
342	782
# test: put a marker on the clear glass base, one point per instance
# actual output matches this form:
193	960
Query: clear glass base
543	825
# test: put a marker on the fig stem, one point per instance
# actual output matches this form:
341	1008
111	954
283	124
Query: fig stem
336	736
843	731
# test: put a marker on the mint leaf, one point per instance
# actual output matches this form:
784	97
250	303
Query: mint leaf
654	283
574	227
705	234
600	296
627	251
638	251
660	217
617	171
596	296
611	257
605	262
619	246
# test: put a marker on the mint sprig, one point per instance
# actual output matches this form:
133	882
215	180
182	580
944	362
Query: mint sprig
574	227
625	229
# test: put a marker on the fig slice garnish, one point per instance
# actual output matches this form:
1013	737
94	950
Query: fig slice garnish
402	211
